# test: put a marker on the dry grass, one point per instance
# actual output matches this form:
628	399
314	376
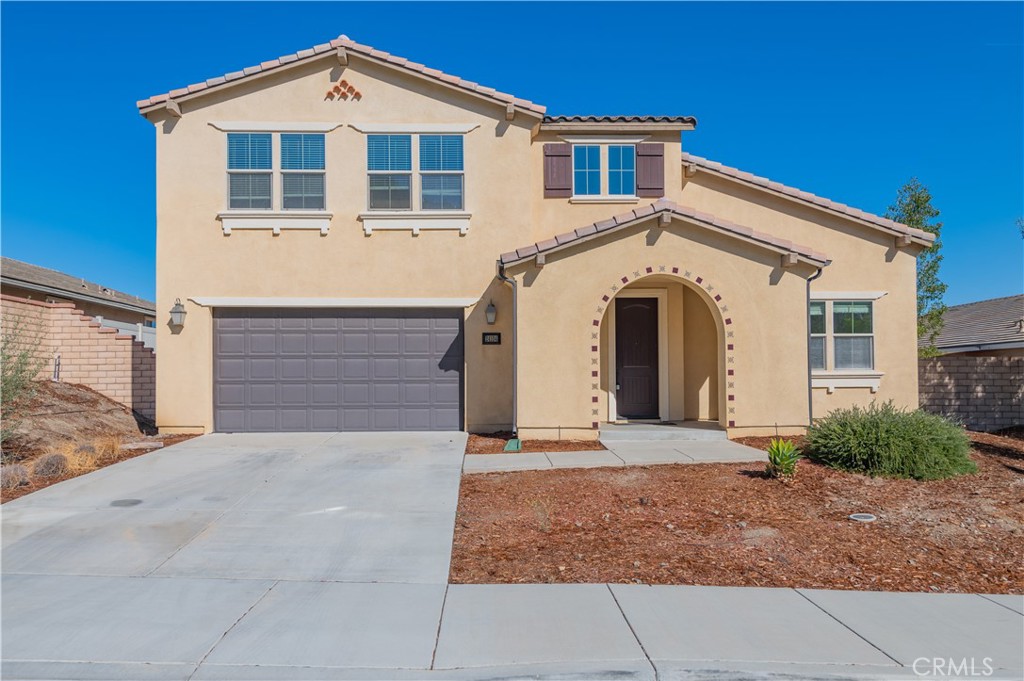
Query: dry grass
107	447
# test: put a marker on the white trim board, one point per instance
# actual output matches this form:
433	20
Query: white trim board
270	126
662	296
227	301
847	295
275	221
830	380
412	128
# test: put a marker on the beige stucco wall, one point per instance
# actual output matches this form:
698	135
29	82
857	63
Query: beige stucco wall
504	193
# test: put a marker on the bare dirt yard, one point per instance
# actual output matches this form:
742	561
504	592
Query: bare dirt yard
726	524
87	429
494	443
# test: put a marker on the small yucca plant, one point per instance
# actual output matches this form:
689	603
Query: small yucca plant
782	458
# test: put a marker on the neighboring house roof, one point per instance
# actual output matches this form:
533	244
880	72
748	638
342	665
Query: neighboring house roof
341	46
35	278
917	235
672	210
984	325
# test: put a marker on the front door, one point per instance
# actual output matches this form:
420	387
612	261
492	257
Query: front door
636	357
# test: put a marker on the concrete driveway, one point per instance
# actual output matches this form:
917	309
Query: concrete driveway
140	569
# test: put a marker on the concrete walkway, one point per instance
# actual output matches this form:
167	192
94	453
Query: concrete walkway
619	453
326	557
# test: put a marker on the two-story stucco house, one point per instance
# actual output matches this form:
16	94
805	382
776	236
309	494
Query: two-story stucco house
361	242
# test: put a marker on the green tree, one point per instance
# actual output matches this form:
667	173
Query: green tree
913	208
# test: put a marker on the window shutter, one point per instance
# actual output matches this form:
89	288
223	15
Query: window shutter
557	171
650	170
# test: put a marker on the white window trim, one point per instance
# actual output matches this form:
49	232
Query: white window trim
414	128
217	301
831	378
274	220
415	218
662	296
603	170
265	126
277	174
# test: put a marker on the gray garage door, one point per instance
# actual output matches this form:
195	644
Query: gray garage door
337	369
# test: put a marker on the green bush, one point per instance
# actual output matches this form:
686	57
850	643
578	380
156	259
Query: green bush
782	458
886	441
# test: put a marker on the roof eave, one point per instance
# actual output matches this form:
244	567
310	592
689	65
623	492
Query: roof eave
981	347
77	295
186	96
600	127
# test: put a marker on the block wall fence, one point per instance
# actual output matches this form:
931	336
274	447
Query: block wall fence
986	393
82	352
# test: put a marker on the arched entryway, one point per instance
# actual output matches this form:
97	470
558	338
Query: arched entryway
663	350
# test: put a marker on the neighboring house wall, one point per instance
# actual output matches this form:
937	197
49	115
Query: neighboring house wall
113	364
133	323
987	393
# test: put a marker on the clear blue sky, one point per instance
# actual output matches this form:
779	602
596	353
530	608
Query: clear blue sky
844	100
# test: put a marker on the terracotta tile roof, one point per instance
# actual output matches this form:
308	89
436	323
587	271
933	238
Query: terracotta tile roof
684	120
664	206
922	237
353	47
17	273
987	322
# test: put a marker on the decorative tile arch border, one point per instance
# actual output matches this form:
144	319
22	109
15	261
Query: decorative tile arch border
633	277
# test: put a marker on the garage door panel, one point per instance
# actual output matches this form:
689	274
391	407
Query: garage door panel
336	369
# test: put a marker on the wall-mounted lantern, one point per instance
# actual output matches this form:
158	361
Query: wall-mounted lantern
491	313
178	314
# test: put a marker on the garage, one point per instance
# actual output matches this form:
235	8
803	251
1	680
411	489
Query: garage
337	369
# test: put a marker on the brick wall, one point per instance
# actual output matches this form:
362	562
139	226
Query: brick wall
987	393
110	363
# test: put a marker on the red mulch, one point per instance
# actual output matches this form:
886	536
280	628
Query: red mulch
726	524
494	443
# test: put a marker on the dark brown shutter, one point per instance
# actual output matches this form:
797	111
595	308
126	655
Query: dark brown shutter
650	170
557	171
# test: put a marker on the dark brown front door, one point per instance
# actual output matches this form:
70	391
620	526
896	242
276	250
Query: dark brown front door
636	357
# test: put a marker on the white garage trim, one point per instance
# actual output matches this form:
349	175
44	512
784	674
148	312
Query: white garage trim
213	301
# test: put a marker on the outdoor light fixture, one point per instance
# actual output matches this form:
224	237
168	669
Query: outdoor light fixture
491	312
178	313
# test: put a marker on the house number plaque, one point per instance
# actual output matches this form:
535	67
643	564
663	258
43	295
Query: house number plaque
492	338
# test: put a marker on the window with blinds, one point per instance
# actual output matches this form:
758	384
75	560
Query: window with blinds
441	172
302	172
250	170
389	171
842	335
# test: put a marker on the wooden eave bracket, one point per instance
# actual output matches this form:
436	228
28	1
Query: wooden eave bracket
665	219
540	260
510	111
789	260
342	55
173	109
690	169
903	241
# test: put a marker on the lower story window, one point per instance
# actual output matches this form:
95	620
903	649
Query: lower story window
441	192
842	335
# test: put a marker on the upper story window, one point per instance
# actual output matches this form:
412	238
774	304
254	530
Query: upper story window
302	172
389	166
844	339
441	172
440	182
250	165
251	171
604	170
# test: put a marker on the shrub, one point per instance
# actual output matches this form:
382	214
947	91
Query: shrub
21	360
887	441
106	447
782	458
13	475
50	465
